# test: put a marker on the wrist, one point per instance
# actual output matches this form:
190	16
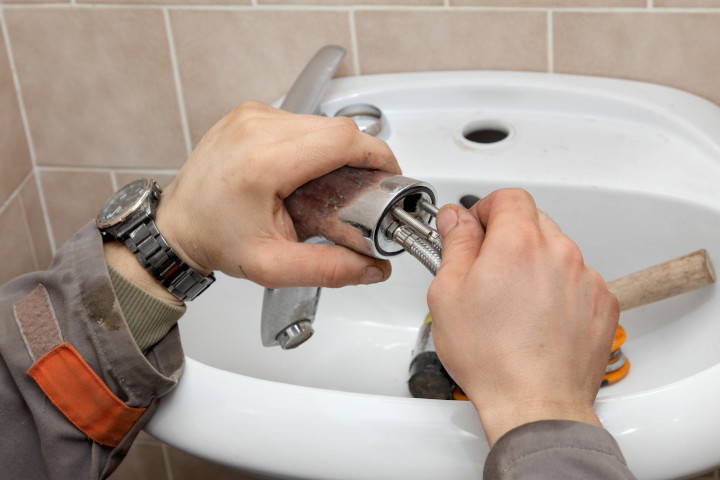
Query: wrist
175	233
129	217
125	262
499	420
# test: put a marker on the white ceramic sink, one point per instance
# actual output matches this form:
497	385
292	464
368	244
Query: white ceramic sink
629	170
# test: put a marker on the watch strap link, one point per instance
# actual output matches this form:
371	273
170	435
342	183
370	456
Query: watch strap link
162	262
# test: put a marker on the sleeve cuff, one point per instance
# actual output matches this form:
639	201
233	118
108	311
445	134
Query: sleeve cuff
148	318
551	449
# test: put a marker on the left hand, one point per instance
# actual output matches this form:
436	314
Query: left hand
225	209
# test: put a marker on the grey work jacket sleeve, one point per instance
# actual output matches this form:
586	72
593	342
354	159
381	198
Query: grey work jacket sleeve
553	449
57	322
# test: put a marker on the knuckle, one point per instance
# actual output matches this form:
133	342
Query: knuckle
607	301
332	275
614	306
251	106
568	252
345	131
345	123
515	195
527	237
247	124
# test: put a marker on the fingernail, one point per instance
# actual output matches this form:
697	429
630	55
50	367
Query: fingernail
446	220
372	274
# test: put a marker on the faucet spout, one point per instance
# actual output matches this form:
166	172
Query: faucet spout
287	316
288	313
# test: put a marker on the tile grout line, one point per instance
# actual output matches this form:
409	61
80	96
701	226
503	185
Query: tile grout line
550	43
26	126
354	42
15	193
113	181
313	7
28	232
178	83
166	460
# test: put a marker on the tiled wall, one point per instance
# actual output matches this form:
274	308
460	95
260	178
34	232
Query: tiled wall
95	93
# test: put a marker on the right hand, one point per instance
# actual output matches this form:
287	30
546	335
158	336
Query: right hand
519	321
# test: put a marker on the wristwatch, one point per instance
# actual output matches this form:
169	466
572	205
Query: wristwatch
129	217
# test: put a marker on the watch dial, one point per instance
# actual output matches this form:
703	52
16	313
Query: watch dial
123	200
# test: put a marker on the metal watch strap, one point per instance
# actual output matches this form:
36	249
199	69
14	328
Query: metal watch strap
163	263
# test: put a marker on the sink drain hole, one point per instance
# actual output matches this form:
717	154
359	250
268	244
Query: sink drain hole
487	135
486	132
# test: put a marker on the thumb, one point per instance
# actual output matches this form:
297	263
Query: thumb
319	265
462	236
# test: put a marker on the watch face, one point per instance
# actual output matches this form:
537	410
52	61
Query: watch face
125	200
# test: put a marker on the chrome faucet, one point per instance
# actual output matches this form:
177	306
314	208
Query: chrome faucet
375	213
288	313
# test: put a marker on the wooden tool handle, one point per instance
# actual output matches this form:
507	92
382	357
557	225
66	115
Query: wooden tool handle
665	280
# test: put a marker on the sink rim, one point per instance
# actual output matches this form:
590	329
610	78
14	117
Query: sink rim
396	416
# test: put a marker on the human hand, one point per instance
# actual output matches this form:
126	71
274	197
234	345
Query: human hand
519	321
225	211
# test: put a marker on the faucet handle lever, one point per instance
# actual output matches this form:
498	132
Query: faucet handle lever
307	91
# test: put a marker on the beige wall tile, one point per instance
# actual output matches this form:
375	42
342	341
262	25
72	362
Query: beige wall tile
680	50
15	161
170	2
355	2
73	198
187	467
36	223
403	41
687	3
123	178
553	3
708	476
15	253
226	57
144	438
98	86
144	461
10	2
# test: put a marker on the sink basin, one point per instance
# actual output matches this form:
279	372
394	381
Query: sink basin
629	170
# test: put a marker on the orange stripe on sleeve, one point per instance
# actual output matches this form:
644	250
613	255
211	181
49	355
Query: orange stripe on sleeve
84	399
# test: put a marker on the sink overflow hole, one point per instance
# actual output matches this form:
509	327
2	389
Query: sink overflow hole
486	135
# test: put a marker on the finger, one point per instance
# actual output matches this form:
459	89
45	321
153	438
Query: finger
334	144
548	225
462	236
511	222
507	205
305	264
562	245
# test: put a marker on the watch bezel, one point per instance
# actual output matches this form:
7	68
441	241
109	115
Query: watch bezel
130	210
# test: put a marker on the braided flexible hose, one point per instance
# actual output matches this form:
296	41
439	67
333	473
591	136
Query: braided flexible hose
416	246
